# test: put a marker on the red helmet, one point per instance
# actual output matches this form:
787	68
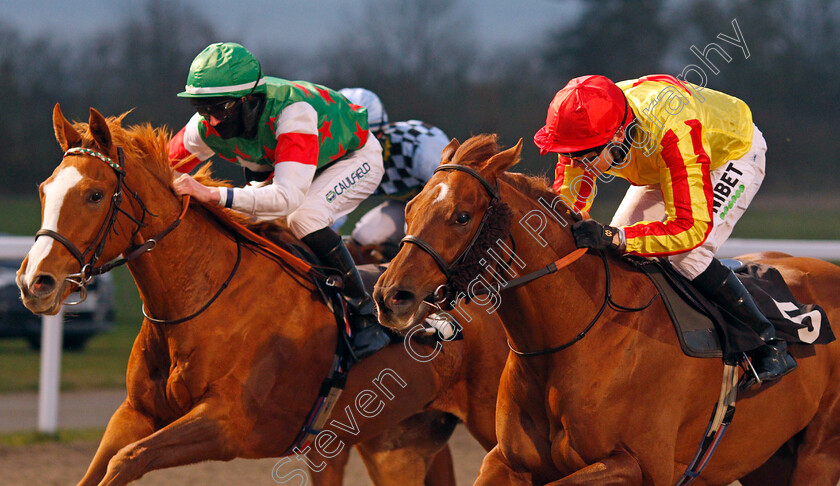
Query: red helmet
585	114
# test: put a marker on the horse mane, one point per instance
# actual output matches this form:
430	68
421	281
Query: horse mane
473	153
138	142
148	146
534	187
477	149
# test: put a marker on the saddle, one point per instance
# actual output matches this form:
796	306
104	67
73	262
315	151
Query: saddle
703	327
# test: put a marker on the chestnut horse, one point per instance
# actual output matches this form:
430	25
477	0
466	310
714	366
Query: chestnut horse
240	376
620	404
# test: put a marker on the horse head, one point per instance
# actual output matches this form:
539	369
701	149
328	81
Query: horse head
80	211
447	224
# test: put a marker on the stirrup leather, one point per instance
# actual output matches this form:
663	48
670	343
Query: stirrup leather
749	369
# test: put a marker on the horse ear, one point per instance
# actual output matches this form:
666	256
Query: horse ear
449	151
65	134
100	131
503	161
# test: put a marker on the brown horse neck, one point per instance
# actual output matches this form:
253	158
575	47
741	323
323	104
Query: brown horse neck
559	306
187	265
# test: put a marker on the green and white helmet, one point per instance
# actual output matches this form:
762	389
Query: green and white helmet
224	69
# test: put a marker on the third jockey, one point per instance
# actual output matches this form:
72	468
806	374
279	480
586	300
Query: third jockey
411	152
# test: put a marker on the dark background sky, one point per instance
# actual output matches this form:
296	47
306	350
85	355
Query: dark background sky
466	66
298	23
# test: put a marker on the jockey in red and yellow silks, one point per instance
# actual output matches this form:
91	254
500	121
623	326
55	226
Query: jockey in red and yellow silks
694	159
676	151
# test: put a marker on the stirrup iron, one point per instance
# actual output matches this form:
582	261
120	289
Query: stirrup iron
749	368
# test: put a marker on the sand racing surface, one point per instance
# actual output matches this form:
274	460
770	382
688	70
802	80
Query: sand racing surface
60	464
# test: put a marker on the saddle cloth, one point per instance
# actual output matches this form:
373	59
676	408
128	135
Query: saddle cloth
704	328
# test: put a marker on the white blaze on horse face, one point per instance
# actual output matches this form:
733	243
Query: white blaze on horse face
54	194
444	190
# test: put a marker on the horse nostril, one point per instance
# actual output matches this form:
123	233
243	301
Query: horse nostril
402	297
43	285
380	302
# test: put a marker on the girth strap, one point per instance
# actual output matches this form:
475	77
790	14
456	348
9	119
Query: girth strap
209	302
722	416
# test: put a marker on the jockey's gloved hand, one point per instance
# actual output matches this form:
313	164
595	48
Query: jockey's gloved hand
592	234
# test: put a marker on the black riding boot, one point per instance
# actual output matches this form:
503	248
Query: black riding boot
367	335
771	361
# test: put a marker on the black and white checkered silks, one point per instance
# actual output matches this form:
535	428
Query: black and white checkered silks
415	149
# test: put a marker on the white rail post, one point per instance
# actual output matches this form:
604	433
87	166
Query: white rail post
50	382
52	330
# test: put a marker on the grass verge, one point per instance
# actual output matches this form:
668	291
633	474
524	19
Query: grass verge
21	439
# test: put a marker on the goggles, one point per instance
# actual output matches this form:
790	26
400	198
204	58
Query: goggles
221	110
589	153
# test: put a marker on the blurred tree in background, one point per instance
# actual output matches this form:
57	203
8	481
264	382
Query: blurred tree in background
615	38
425	62
143	62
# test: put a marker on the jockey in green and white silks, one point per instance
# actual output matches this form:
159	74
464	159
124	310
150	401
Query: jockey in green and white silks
303	127
307	151
290	106
411	152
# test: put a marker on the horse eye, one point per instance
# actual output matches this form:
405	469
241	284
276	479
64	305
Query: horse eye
95	197
463	218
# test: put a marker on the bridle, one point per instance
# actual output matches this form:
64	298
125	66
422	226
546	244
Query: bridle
444	292
90	256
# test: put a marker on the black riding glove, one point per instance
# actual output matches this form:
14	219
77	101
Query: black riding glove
592	234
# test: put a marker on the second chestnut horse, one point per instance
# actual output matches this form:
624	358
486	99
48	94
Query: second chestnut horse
620	404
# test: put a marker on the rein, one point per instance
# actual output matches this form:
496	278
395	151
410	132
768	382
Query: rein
88	267
608	301
147	245
331	387
724	408
442	293
212	299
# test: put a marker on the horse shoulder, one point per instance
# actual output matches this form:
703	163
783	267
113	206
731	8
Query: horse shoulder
147	374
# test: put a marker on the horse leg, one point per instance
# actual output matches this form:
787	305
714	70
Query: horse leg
396	466
496	470
818	457
405	466
441	471
777	470
333	472
127	425
200	435
620	468
404	455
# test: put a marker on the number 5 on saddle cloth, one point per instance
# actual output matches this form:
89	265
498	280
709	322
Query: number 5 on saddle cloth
705	330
